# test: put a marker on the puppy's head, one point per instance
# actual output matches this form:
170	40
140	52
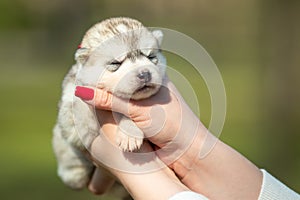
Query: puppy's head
127	55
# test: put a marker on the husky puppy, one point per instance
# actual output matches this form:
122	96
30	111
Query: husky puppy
119	55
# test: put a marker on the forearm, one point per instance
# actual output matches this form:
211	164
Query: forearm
221	174
158	185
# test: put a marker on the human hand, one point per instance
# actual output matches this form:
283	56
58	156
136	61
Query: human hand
169	123
139	179
165	119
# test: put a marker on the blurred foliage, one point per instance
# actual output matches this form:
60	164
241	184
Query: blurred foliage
255	44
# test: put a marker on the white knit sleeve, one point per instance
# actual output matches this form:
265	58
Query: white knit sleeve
272	189
188	195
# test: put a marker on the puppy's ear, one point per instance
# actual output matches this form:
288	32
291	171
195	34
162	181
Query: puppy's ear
158	34
81	55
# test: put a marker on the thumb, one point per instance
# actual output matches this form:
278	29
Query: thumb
102	99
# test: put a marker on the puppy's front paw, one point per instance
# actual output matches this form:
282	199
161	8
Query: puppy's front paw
128	143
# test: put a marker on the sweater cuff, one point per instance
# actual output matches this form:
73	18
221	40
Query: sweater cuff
272	189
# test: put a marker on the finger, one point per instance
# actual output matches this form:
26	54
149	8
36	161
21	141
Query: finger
102	99
101	181
93	96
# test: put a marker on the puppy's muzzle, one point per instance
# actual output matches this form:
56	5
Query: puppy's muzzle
144	76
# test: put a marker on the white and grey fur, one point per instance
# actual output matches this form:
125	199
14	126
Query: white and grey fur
131	65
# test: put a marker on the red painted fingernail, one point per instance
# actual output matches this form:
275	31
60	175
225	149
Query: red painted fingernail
84	93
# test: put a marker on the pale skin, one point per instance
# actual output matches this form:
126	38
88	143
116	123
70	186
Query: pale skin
168	184
222	173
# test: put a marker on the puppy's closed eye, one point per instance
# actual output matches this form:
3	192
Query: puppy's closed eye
113	65
153	58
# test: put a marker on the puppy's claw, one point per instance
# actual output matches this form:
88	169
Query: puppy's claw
128	143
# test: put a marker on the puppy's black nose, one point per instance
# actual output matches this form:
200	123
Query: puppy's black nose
144	76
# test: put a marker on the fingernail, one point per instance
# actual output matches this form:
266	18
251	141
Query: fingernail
84	93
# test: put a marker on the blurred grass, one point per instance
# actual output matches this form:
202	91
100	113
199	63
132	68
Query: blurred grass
252	43
28	113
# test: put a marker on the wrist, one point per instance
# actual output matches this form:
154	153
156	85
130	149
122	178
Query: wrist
145	186
185	163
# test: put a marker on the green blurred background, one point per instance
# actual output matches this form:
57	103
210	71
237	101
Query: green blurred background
256	45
